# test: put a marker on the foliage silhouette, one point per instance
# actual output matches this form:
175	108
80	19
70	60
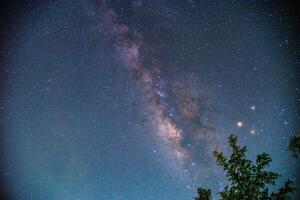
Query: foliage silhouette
294	145
203	194
248	180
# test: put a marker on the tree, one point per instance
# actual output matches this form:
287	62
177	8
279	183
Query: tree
294	145
247	180
203	194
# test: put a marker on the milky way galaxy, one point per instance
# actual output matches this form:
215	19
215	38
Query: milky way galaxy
179	118
126	100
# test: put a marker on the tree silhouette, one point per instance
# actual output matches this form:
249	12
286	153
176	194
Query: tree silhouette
203	194
294	145
248	180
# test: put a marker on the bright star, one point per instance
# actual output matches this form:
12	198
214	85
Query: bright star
239	124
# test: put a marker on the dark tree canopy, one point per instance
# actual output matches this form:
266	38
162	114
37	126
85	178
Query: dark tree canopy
203	194
294	145
248	180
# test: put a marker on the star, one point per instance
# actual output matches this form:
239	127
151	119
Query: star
239	124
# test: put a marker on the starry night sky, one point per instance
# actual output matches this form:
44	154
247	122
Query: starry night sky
126	100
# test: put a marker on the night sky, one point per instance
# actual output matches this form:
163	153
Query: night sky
125	100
